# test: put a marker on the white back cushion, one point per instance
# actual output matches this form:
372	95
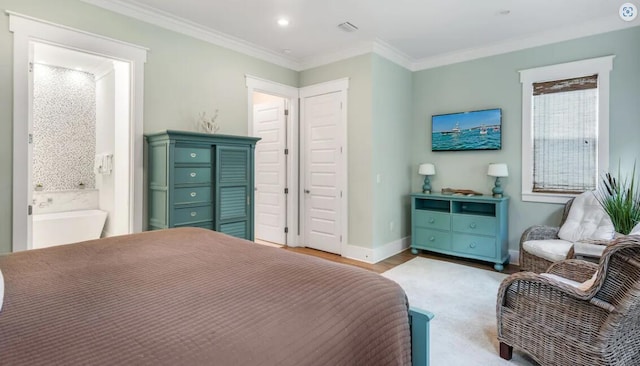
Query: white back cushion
586	220
635	230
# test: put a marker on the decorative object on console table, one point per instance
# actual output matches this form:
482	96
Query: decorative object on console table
498	170
426	169
460	192
465	226
201	180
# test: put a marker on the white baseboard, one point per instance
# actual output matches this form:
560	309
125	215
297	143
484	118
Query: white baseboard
376	255
514	256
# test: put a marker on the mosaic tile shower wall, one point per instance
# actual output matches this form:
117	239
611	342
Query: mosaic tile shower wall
64	128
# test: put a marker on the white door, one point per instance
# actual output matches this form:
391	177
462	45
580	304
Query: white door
322	119
269	124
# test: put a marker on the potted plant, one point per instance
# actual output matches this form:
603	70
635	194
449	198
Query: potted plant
620	198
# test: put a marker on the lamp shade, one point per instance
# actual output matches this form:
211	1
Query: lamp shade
427	169
498	170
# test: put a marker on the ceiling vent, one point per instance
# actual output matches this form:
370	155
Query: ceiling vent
347	27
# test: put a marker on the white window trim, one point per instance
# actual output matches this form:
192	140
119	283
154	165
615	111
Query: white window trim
601	66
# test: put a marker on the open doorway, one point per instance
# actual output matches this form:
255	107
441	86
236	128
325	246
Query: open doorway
273	111
270	117
29	33
79	104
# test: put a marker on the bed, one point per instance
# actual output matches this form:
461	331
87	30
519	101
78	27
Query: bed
192	296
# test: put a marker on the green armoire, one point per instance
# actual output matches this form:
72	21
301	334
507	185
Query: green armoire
203	180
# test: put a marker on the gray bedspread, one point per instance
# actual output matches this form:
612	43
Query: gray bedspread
195	297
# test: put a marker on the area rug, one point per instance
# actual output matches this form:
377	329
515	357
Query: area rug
463	300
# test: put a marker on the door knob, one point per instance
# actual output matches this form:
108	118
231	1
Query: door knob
307	191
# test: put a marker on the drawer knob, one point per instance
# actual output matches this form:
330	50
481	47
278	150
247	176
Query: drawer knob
194	214
193	174
432	238
193	155
472	225
432	220
193	194
472	245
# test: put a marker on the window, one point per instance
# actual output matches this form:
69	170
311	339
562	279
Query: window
565	128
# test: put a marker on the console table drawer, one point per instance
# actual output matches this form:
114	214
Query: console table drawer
192	175
189	215
474	245
432	220
474	224
432	239
192	155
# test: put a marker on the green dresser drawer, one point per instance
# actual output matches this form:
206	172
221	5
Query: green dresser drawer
204	225
190	215
472	245
432	220
480	225
192	175
187	154
436	239
192	195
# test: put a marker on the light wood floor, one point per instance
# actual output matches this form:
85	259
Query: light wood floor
398	259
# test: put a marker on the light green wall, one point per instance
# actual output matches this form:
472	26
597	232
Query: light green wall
389	110
494	82
183	77
359	139
391	128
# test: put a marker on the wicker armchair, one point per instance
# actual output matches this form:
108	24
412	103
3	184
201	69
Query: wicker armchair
532	263
559	324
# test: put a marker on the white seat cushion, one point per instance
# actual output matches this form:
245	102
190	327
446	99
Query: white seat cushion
588	249
552	250
586	220
583	286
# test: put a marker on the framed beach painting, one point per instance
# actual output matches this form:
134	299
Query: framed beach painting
475	130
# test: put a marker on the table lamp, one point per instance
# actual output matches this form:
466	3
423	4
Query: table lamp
498	170
426	169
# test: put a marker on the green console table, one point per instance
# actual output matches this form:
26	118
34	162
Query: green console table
464	226
203	180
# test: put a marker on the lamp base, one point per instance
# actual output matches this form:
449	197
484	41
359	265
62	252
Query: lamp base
497	190
426	187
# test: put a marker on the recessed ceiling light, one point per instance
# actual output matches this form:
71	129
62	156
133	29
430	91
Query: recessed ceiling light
504	12
283	22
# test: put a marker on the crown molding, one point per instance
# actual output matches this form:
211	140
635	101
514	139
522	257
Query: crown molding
337	55
392	54
165	20
603	25
378	47
180	25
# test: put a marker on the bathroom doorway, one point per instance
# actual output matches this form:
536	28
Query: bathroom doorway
79	104
127	59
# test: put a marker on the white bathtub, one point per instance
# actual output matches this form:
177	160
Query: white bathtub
67	227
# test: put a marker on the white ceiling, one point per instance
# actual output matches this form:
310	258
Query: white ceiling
414	31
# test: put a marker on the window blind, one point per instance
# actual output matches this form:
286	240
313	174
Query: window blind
565	135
